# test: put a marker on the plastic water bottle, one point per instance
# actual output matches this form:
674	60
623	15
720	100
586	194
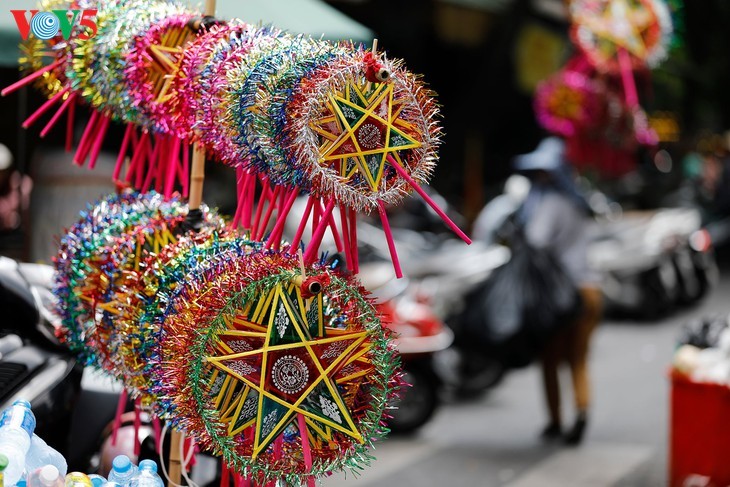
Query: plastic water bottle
40	454
111	484
147	475
122	470
97	480
47	476
16	428
77	479
3	466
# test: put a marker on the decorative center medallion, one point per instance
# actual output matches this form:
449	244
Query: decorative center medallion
290	374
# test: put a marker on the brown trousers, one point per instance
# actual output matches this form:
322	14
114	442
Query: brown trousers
571	346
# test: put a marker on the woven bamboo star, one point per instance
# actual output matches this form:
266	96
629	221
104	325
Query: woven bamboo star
278	360
362	128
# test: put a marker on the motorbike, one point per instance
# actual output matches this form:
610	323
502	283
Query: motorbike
72	404
652	262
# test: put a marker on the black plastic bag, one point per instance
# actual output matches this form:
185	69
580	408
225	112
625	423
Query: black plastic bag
521	305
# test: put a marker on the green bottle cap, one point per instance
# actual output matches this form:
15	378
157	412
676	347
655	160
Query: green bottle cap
3	462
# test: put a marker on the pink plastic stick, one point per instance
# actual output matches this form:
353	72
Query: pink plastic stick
239	202
353	242
121	404
346	238
302	224
20	83
267	216
224	475
428	199
335	233
57	115
70	125
137	424
186	170
250	193
151	168
389	238
311	254
136	156
44	108
260	208
306	449
144	161
96	148
627	78
281	220
158	432
85	141
122	152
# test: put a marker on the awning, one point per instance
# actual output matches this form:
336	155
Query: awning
311	17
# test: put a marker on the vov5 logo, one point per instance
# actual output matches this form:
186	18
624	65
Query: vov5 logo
45	25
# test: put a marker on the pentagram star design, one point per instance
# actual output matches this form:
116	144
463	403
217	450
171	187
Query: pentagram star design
362	127
622	23
276	360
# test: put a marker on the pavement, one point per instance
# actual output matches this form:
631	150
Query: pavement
493	441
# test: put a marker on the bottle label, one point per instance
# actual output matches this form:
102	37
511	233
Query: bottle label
18	417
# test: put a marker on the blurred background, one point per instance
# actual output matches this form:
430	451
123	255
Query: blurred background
661	250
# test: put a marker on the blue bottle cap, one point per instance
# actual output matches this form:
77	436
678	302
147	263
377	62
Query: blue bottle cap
121	463
148	465
21	402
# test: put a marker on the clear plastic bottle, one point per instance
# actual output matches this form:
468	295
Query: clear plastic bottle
40	454
111	484
123	470
97	480
147	475
47	476
77	479
16	429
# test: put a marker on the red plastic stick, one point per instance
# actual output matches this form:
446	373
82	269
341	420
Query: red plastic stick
158	432
311	254
85	141
103	126
66	103
28	79
427	199
353	242
240	182
224	475
260	208
70	125
121	404
627	78
44	108
122	152
248	193
186	170
278	229
265	222
346	237
137	424
389	238
302	224
306	449
136	156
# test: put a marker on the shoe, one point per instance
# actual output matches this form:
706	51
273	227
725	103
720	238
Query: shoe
575	435
551	432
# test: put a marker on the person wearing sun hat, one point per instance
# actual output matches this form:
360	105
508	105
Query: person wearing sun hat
556	217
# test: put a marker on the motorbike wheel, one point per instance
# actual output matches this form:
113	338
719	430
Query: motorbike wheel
416	403
478	374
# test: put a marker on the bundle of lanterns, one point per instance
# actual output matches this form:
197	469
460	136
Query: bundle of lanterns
262	350
593	101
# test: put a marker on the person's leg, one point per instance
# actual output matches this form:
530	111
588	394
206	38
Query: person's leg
577	354
551	356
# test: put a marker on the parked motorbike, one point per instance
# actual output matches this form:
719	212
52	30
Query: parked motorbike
652	262
71	406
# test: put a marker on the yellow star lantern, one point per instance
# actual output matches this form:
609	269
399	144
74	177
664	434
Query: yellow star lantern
361	128
277	359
